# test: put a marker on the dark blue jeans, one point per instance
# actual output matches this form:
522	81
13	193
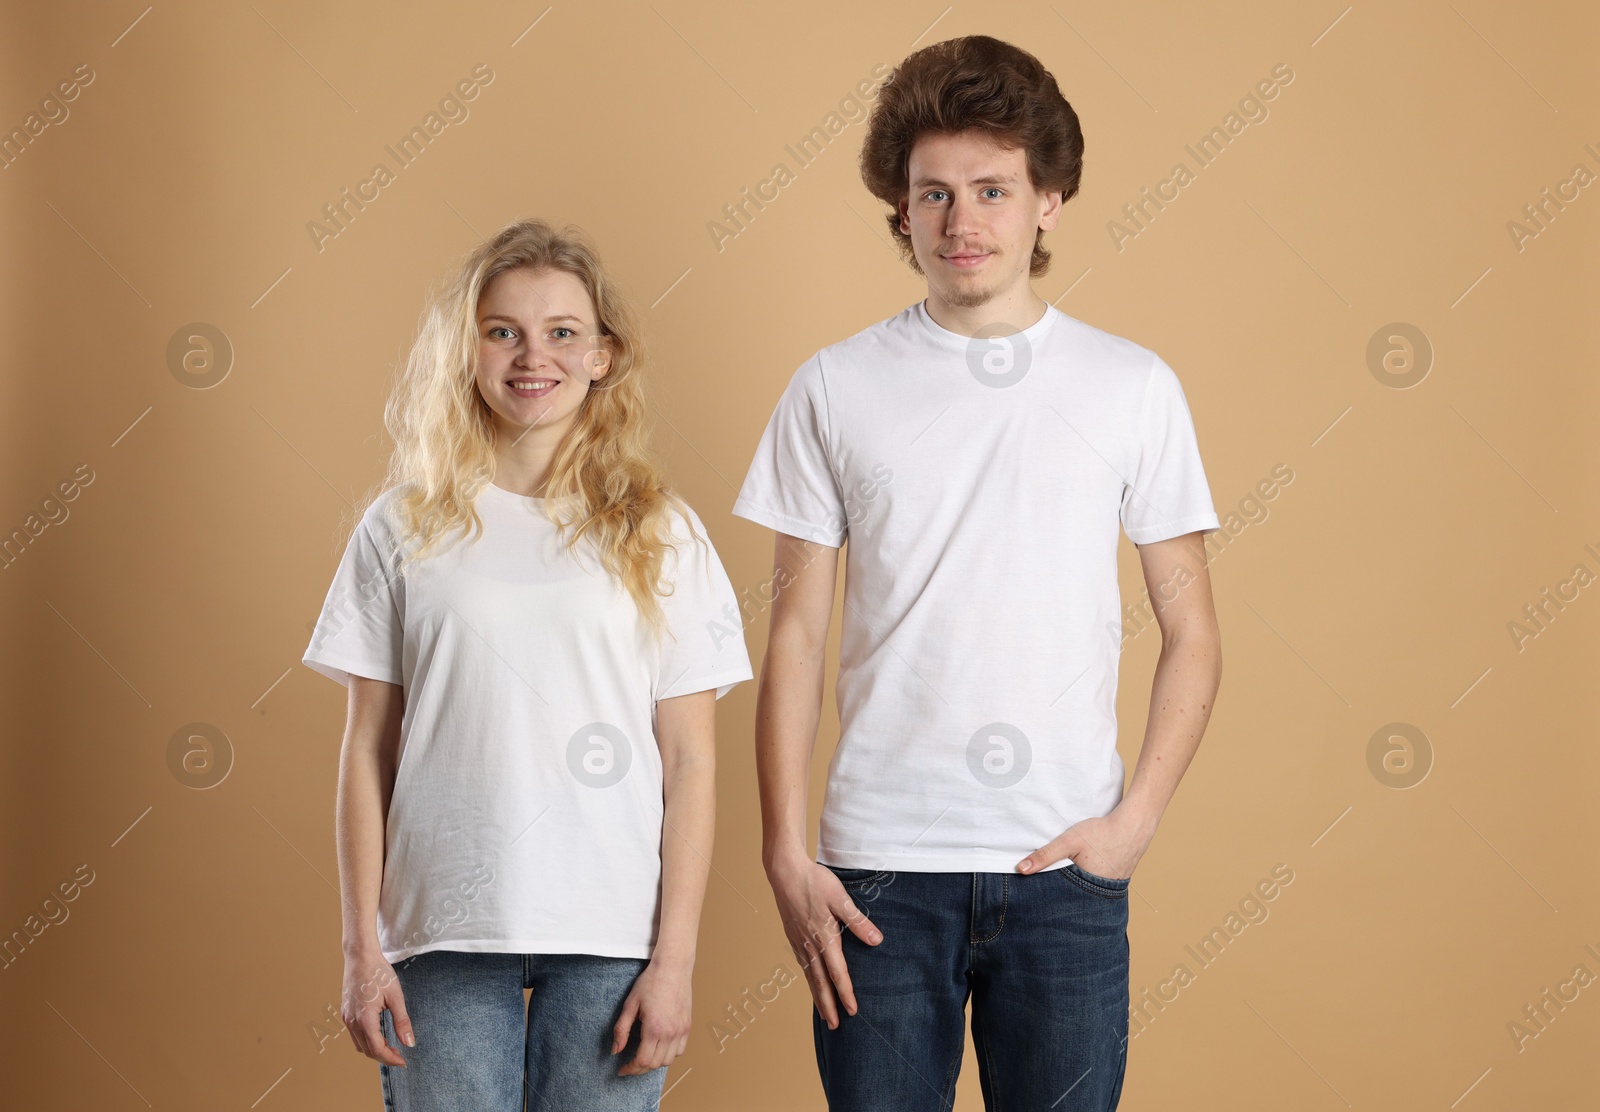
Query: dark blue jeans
1044	960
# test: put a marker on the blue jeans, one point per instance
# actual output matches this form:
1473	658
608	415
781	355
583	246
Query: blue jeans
1044	960
476	1050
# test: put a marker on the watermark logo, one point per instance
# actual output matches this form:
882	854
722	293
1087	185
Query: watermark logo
199	355
199	756
999	360
599	755
1399	355
1399	755
999	755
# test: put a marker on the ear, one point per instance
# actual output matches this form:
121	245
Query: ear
905	222
597	361
1050	214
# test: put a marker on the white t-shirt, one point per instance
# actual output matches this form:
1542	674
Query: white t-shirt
981	484
527	807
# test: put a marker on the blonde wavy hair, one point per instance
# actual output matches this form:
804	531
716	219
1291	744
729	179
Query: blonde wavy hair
605	482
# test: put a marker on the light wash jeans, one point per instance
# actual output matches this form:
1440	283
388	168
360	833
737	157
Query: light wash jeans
476	1050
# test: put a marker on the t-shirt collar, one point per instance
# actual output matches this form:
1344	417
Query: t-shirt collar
1033	333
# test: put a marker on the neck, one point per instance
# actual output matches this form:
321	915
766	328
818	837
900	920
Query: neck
522	458
1015	309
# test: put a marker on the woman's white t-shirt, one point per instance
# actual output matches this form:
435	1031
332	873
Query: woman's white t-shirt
982	485
527	809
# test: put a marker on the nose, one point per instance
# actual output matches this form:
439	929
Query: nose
533	353
960	218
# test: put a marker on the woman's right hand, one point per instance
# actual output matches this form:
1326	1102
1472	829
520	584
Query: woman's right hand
370	986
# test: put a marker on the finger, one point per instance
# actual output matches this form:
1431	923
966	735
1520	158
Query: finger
378	1047
651	1053
860	926
624	1024
821	988
358	1037
370	1026
839	974
395	1001
1048	854
638	1064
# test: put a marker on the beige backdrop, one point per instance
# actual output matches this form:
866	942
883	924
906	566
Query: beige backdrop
1394	728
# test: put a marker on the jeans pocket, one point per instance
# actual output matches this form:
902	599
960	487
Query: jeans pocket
856	879
1112	888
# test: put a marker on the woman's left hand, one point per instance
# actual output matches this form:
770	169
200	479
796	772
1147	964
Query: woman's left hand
660	1002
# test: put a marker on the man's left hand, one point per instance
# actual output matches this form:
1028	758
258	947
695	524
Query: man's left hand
1108	846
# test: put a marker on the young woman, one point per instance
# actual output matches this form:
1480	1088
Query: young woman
534	634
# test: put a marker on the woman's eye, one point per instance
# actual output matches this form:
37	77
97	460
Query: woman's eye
569	333
500	328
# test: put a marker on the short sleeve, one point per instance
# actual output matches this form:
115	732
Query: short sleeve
361	629
704	643
791	485
1166	495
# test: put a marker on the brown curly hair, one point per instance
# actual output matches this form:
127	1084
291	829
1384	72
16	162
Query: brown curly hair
972	83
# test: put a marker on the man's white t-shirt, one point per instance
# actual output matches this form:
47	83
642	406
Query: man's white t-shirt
527	807
981	484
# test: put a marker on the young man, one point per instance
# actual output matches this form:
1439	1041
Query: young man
979	451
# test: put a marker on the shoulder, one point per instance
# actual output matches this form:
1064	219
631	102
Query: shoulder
835	366
383	511
868	343
1133	374
1107	352
382	519
689	550
682	523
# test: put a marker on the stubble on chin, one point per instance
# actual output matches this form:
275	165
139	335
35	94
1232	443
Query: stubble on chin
966	295
967	291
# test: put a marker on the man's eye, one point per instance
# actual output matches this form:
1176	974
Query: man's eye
993	189
934	195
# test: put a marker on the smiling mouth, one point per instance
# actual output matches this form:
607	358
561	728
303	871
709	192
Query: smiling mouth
532	387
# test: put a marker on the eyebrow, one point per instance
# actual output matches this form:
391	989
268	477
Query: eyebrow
510	320
991	179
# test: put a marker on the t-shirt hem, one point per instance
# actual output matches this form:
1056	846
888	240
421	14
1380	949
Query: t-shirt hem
783	523
723	682
966	861
523	946
341	668
1166	530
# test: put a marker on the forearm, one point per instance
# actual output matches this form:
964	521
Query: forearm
788	710
1182	695
360	815
688	833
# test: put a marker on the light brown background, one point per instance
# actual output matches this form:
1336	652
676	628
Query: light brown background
1420	521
